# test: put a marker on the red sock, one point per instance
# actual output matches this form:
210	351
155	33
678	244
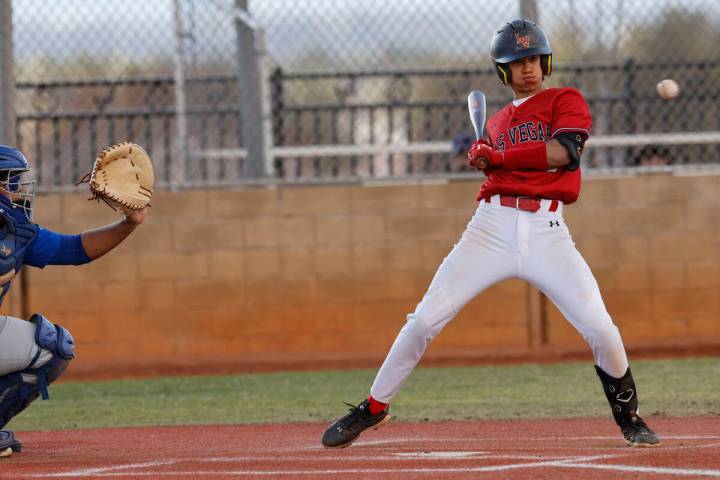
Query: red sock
375	406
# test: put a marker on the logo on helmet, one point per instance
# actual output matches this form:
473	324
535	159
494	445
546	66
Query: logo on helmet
522	40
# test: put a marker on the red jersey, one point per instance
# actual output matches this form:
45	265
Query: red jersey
537	119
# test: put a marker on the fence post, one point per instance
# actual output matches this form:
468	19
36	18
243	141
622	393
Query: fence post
17	300
629	104
178	175
537	305
266	103
528	10
278	103
254	94
628	95
7	81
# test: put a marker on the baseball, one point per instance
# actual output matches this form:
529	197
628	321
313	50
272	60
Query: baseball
668	89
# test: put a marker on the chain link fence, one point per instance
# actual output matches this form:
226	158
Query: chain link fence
223	92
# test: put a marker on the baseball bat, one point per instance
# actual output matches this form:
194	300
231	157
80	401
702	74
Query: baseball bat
476	107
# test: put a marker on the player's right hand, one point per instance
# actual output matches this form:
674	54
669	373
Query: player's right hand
480	154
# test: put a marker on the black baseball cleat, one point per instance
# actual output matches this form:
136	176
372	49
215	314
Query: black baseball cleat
345	430
9	444
637	433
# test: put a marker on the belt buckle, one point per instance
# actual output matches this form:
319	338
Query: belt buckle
528	204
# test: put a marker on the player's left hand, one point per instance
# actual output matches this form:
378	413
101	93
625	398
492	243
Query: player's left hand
481	155
136	217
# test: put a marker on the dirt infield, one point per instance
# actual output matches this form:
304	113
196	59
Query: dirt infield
590	449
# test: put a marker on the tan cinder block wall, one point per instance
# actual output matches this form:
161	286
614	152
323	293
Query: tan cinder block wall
653	243
334	270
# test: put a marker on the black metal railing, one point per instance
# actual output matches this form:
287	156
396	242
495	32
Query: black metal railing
62	125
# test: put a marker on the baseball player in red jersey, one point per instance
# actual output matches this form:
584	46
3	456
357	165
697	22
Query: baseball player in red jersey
531	159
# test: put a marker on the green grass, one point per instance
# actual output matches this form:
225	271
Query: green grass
666	387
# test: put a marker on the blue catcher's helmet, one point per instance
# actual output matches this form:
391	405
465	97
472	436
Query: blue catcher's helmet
16	194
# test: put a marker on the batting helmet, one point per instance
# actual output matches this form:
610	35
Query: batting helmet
16	192
518	39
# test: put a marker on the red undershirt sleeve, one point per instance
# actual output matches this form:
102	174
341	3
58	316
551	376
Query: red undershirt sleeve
530	157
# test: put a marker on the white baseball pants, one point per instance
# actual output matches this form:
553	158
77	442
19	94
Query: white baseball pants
499	243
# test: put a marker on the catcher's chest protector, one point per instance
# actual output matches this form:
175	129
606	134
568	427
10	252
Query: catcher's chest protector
14	240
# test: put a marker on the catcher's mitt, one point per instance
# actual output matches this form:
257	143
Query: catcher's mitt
122	177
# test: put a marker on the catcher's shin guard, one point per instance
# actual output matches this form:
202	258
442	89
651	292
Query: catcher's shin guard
622	396
19	389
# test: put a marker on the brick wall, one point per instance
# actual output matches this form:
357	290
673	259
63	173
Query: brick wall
653	243
333	270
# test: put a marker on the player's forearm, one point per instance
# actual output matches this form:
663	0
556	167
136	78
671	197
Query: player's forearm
536	156
557	155
101	240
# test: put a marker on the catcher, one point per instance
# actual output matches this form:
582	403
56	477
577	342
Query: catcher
35	353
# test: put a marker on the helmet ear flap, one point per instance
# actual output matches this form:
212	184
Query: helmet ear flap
546	64
503	72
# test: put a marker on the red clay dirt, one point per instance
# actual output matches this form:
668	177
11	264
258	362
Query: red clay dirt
578	448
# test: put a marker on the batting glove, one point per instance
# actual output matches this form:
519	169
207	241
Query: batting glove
481	155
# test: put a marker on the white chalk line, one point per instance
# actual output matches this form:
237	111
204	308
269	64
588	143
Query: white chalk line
434	455
461	455
633	468
495	468
107	471
537	439
662	437
103	470
393	441
405	456
489	468
569	462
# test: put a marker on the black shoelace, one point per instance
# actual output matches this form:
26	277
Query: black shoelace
355	412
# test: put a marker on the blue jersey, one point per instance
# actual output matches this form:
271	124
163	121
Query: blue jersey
52	248
27	243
